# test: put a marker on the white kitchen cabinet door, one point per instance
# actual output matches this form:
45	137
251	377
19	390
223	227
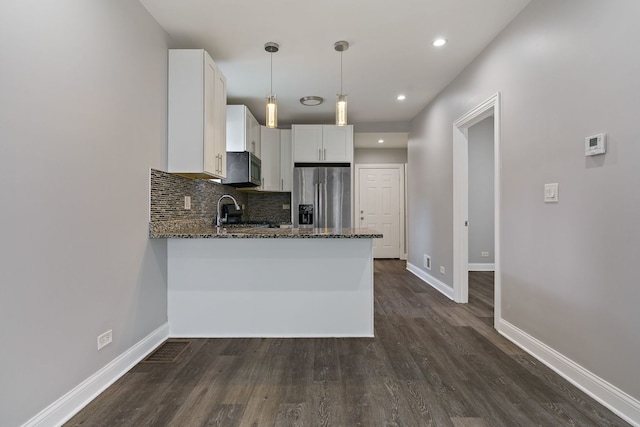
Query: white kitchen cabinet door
322	144
286	161
220	120
307	143
194	124
337	143
243	130
270	150
255	137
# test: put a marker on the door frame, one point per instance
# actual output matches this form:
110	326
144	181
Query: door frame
488	108
401	189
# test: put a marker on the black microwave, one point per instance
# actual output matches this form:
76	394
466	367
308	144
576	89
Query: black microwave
243	169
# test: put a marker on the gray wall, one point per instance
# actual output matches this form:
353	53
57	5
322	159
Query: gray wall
370	156
481	201
82	119
566	69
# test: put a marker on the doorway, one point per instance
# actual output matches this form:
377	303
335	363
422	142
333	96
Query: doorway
489	108
379	205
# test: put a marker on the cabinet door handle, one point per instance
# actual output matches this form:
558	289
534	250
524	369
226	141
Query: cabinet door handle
324	157
281	184
319	153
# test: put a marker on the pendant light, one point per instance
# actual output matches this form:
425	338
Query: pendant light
272	107
341	102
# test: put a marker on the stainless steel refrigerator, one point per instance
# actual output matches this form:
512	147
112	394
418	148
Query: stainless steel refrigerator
321	197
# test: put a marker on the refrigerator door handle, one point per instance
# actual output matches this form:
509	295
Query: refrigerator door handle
322	219
316	200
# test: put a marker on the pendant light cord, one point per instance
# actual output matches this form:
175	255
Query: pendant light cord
340	72
271	56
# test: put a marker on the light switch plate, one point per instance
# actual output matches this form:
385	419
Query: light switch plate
551	193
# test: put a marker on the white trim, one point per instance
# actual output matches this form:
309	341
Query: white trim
402	189
72	402
619	402
460	200
460	214
477	266
442	287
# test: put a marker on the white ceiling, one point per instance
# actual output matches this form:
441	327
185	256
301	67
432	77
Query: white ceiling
390	50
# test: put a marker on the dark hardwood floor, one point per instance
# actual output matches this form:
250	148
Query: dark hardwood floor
433	363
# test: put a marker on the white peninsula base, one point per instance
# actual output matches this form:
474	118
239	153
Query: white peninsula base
270	287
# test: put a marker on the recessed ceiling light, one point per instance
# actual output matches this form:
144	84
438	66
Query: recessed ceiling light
380	141
401	98
439	42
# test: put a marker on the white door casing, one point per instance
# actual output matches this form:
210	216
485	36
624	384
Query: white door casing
490	107
379	204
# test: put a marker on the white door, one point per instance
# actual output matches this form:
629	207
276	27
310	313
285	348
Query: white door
379	208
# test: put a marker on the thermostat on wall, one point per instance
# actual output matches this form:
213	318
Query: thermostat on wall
596	144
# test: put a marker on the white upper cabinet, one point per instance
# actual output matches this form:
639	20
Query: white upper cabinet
270	150
197	99
307	143
243	130
286	161
322	144
277	165
220	131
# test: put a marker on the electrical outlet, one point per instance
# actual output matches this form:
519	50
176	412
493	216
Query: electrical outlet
485	254
442	269
427	262
105	339
187	202
286	207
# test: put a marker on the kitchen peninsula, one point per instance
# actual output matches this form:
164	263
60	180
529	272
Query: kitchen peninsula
266	282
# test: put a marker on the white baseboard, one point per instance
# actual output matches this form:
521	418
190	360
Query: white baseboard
71	403
619	402
443	288
476	266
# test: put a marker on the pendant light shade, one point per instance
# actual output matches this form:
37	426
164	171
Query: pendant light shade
272	107
272	112
341	102
341	110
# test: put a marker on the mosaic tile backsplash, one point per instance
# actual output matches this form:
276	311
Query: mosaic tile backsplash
167	201
268	207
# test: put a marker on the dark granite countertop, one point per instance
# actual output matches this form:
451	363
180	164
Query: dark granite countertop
198	231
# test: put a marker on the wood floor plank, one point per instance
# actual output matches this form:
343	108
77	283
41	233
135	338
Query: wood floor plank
326	366
327	404
432	363
293	415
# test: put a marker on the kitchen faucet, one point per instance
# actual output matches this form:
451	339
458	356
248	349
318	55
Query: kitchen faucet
219	220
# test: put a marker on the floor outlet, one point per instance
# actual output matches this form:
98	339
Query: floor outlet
442	269
105	339
187	202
